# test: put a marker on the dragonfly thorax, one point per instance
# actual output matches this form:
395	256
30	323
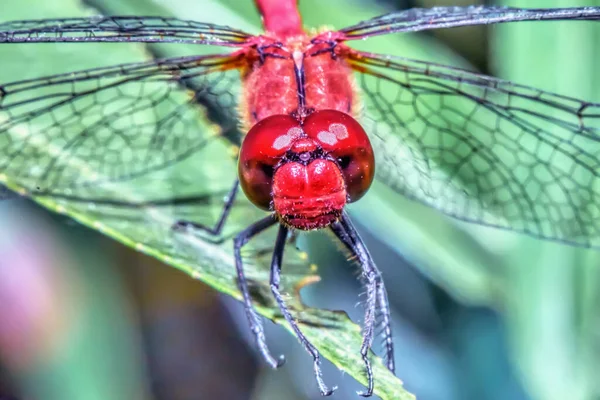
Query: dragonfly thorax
306	171
292	75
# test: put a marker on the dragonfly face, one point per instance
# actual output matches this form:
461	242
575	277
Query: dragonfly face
305	155
306	170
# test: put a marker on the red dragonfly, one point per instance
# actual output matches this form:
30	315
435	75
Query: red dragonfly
519	157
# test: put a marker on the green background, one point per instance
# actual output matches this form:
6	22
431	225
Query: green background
479	313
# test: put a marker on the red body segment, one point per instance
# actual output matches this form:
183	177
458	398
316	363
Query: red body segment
270	89
270	82
329	83
280	17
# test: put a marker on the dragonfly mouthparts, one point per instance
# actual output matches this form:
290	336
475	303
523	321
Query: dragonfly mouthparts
309	196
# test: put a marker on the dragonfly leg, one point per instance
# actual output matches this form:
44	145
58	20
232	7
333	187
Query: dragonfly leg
376	296
253	319
386	323
275	280
215	230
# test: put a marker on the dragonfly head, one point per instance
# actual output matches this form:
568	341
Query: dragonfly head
306	172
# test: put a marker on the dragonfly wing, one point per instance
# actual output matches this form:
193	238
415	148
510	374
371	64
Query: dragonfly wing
113	123
120	29
485	150
127	143
419	19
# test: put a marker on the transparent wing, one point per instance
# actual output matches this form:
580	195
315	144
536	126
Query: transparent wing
115	123
120	29
419	19
485	150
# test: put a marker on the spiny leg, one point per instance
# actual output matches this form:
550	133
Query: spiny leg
382	300
275	280
255	324
215	230
348	235
386	323
341	231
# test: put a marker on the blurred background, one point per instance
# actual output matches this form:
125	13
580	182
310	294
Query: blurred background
478	314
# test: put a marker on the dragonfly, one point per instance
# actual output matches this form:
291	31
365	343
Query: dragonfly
317	122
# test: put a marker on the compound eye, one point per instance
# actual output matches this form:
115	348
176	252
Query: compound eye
263	147
342	137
